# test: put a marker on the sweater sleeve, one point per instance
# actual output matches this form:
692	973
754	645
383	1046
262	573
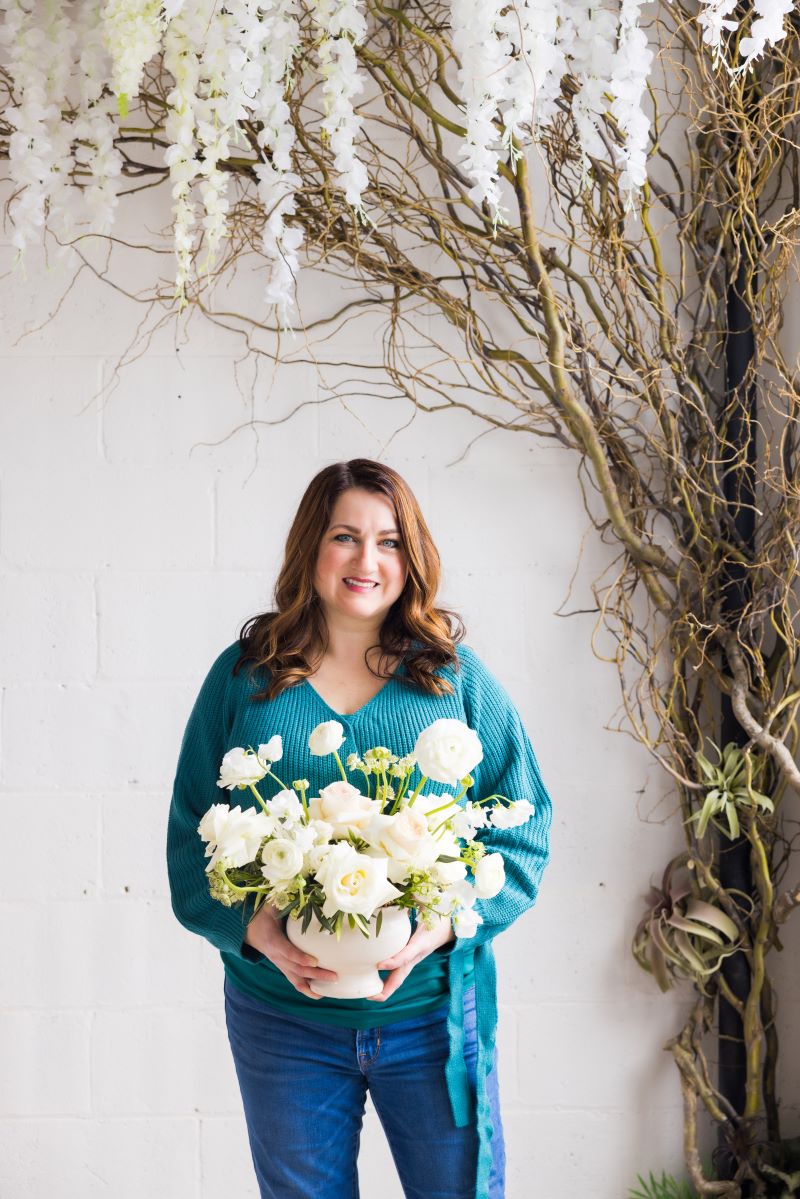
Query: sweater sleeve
509	767
205	741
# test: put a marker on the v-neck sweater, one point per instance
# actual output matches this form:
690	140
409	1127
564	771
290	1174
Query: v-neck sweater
224	715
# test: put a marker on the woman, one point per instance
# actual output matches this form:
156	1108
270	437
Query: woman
355	636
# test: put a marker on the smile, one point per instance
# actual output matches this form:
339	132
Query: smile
359	584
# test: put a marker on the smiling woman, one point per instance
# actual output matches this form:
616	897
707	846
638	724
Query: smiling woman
357	521
355	612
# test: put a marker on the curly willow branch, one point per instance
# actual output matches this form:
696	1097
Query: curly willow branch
605	332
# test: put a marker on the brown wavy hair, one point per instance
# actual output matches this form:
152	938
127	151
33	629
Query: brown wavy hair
424	636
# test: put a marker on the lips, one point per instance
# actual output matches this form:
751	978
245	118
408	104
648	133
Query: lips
353	579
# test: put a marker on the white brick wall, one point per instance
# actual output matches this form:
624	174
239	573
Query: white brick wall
137	532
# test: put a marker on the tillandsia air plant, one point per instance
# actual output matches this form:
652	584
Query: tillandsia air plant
682	935
730	788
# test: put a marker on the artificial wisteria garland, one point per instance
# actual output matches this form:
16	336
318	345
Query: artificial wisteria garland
78	67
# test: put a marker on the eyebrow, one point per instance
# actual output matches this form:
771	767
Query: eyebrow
353	529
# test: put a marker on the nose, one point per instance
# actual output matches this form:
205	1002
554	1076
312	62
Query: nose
367	558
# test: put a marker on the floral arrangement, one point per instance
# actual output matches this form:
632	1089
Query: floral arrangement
347	853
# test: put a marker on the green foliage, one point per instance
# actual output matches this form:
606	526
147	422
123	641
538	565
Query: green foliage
664	1188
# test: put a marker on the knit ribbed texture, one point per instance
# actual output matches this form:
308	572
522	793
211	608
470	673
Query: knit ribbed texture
224	716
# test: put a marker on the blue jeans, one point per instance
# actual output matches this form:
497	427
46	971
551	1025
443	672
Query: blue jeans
304	1086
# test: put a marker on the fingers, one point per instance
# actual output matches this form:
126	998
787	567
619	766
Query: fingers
305	964
301	985
302	965
391	984
411	953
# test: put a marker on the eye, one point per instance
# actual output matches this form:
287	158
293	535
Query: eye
338	535
391	541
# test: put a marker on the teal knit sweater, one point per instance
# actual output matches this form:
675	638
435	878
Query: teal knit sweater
225	716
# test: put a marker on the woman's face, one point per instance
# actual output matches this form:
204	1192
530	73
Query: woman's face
361	542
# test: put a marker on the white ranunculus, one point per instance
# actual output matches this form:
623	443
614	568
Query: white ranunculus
286	806
240	768
317	855
326	738
490	874
447	750
272	750
466	921
405	837
281	859
344	807
510	817
354	882
233	835
304	835
446	873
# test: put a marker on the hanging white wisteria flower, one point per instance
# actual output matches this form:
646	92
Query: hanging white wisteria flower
484	57
535	68
182	45
217	111
75	68
713	17
40	41
628	83
768	27
342	26
132	30
96	156
280	42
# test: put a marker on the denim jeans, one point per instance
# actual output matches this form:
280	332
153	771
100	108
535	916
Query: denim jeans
304	1086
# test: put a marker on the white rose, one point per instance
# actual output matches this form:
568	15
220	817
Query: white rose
240	768
504	817
281	859
447	750
344	807
233	835
272	751
490	874
286	806
466	921
354	882
326	738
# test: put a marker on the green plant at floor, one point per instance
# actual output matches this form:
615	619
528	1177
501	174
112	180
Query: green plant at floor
664	1188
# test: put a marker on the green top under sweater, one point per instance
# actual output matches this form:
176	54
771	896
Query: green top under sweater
224	716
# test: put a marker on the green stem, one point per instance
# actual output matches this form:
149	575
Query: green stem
418	788
339	764
258	797
303	801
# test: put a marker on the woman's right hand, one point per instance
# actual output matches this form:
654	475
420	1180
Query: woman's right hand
265	932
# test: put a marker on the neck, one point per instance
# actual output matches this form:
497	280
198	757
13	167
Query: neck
348	642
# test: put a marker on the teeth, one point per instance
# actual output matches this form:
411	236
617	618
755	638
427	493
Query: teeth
361	582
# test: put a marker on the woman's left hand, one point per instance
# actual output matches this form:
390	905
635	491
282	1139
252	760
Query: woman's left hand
422	942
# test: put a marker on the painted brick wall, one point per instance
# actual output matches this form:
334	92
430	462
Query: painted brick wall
138	530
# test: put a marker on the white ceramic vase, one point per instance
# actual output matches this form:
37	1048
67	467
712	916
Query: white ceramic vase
353	956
